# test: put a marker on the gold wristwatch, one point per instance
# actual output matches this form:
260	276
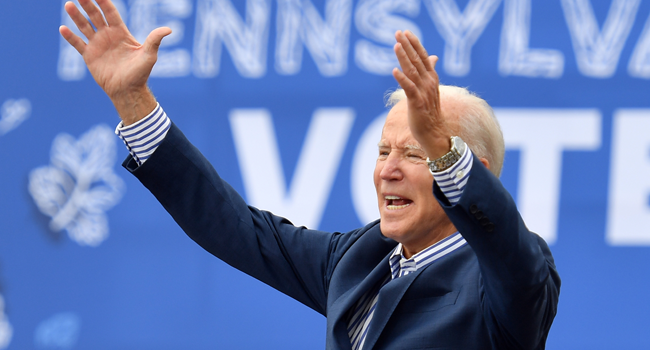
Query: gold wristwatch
445	162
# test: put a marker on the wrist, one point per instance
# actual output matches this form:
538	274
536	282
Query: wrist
133	105
438	147
436	143
434	139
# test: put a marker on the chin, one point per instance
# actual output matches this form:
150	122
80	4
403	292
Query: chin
391	230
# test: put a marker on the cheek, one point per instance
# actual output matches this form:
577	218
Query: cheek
425	186
376	176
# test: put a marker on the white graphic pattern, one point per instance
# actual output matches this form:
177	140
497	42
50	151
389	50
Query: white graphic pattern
6	331
515	55
376	20
598	50
13	113
60	331
639	65
79	185
325	37
460	30
218	23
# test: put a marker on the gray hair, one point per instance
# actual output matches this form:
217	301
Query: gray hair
478	126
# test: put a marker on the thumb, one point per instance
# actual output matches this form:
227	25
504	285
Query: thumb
433	59
152	43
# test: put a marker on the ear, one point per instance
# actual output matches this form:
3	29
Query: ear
485	162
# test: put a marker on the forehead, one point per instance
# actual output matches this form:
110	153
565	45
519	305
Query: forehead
396	131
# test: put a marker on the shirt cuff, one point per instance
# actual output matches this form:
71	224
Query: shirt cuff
452	181
143	137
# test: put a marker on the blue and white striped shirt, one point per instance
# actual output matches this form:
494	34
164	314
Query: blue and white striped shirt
453	180
364	309
142	139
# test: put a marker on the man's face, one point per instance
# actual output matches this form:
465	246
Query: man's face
410	214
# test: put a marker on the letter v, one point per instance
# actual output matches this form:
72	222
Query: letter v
318	163
598	51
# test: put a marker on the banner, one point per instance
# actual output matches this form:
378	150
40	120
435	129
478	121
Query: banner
286	99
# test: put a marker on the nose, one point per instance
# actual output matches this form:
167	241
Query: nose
391	169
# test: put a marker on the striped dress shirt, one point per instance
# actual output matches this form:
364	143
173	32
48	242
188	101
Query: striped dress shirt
142	139
361	316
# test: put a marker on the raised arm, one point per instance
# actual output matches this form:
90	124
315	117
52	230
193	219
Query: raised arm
518	275
120	65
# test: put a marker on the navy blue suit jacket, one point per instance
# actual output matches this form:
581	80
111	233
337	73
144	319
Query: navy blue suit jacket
498	292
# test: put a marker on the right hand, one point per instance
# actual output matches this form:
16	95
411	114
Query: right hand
120	65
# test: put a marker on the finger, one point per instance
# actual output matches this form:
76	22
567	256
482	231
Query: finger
79	20
407	85
111	13
419	48
433	60
93	13
73	39
407	66
152	43
412	54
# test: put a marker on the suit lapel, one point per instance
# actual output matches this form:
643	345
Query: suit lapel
389	296
339	309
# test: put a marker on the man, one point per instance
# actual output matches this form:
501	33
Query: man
450	264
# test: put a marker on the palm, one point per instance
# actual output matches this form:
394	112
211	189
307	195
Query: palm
116	60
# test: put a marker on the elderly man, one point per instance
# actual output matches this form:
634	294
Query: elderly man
450	264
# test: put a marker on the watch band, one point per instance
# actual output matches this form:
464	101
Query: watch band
445	162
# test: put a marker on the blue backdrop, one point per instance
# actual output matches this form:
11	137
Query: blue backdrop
288	95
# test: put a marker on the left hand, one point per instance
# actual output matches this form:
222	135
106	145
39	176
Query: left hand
420	82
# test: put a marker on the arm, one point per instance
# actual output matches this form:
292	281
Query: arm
520	285
292	259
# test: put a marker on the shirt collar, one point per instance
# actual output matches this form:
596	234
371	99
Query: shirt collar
400	266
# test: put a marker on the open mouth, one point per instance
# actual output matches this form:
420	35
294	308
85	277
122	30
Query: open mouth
396	202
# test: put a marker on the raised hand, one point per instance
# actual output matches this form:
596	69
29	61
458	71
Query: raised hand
120	65
420	82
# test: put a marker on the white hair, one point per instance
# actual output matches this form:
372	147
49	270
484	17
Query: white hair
477	124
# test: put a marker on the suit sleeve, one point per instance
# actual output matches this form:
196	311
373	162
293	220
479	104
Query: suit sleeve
520	284
294	260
